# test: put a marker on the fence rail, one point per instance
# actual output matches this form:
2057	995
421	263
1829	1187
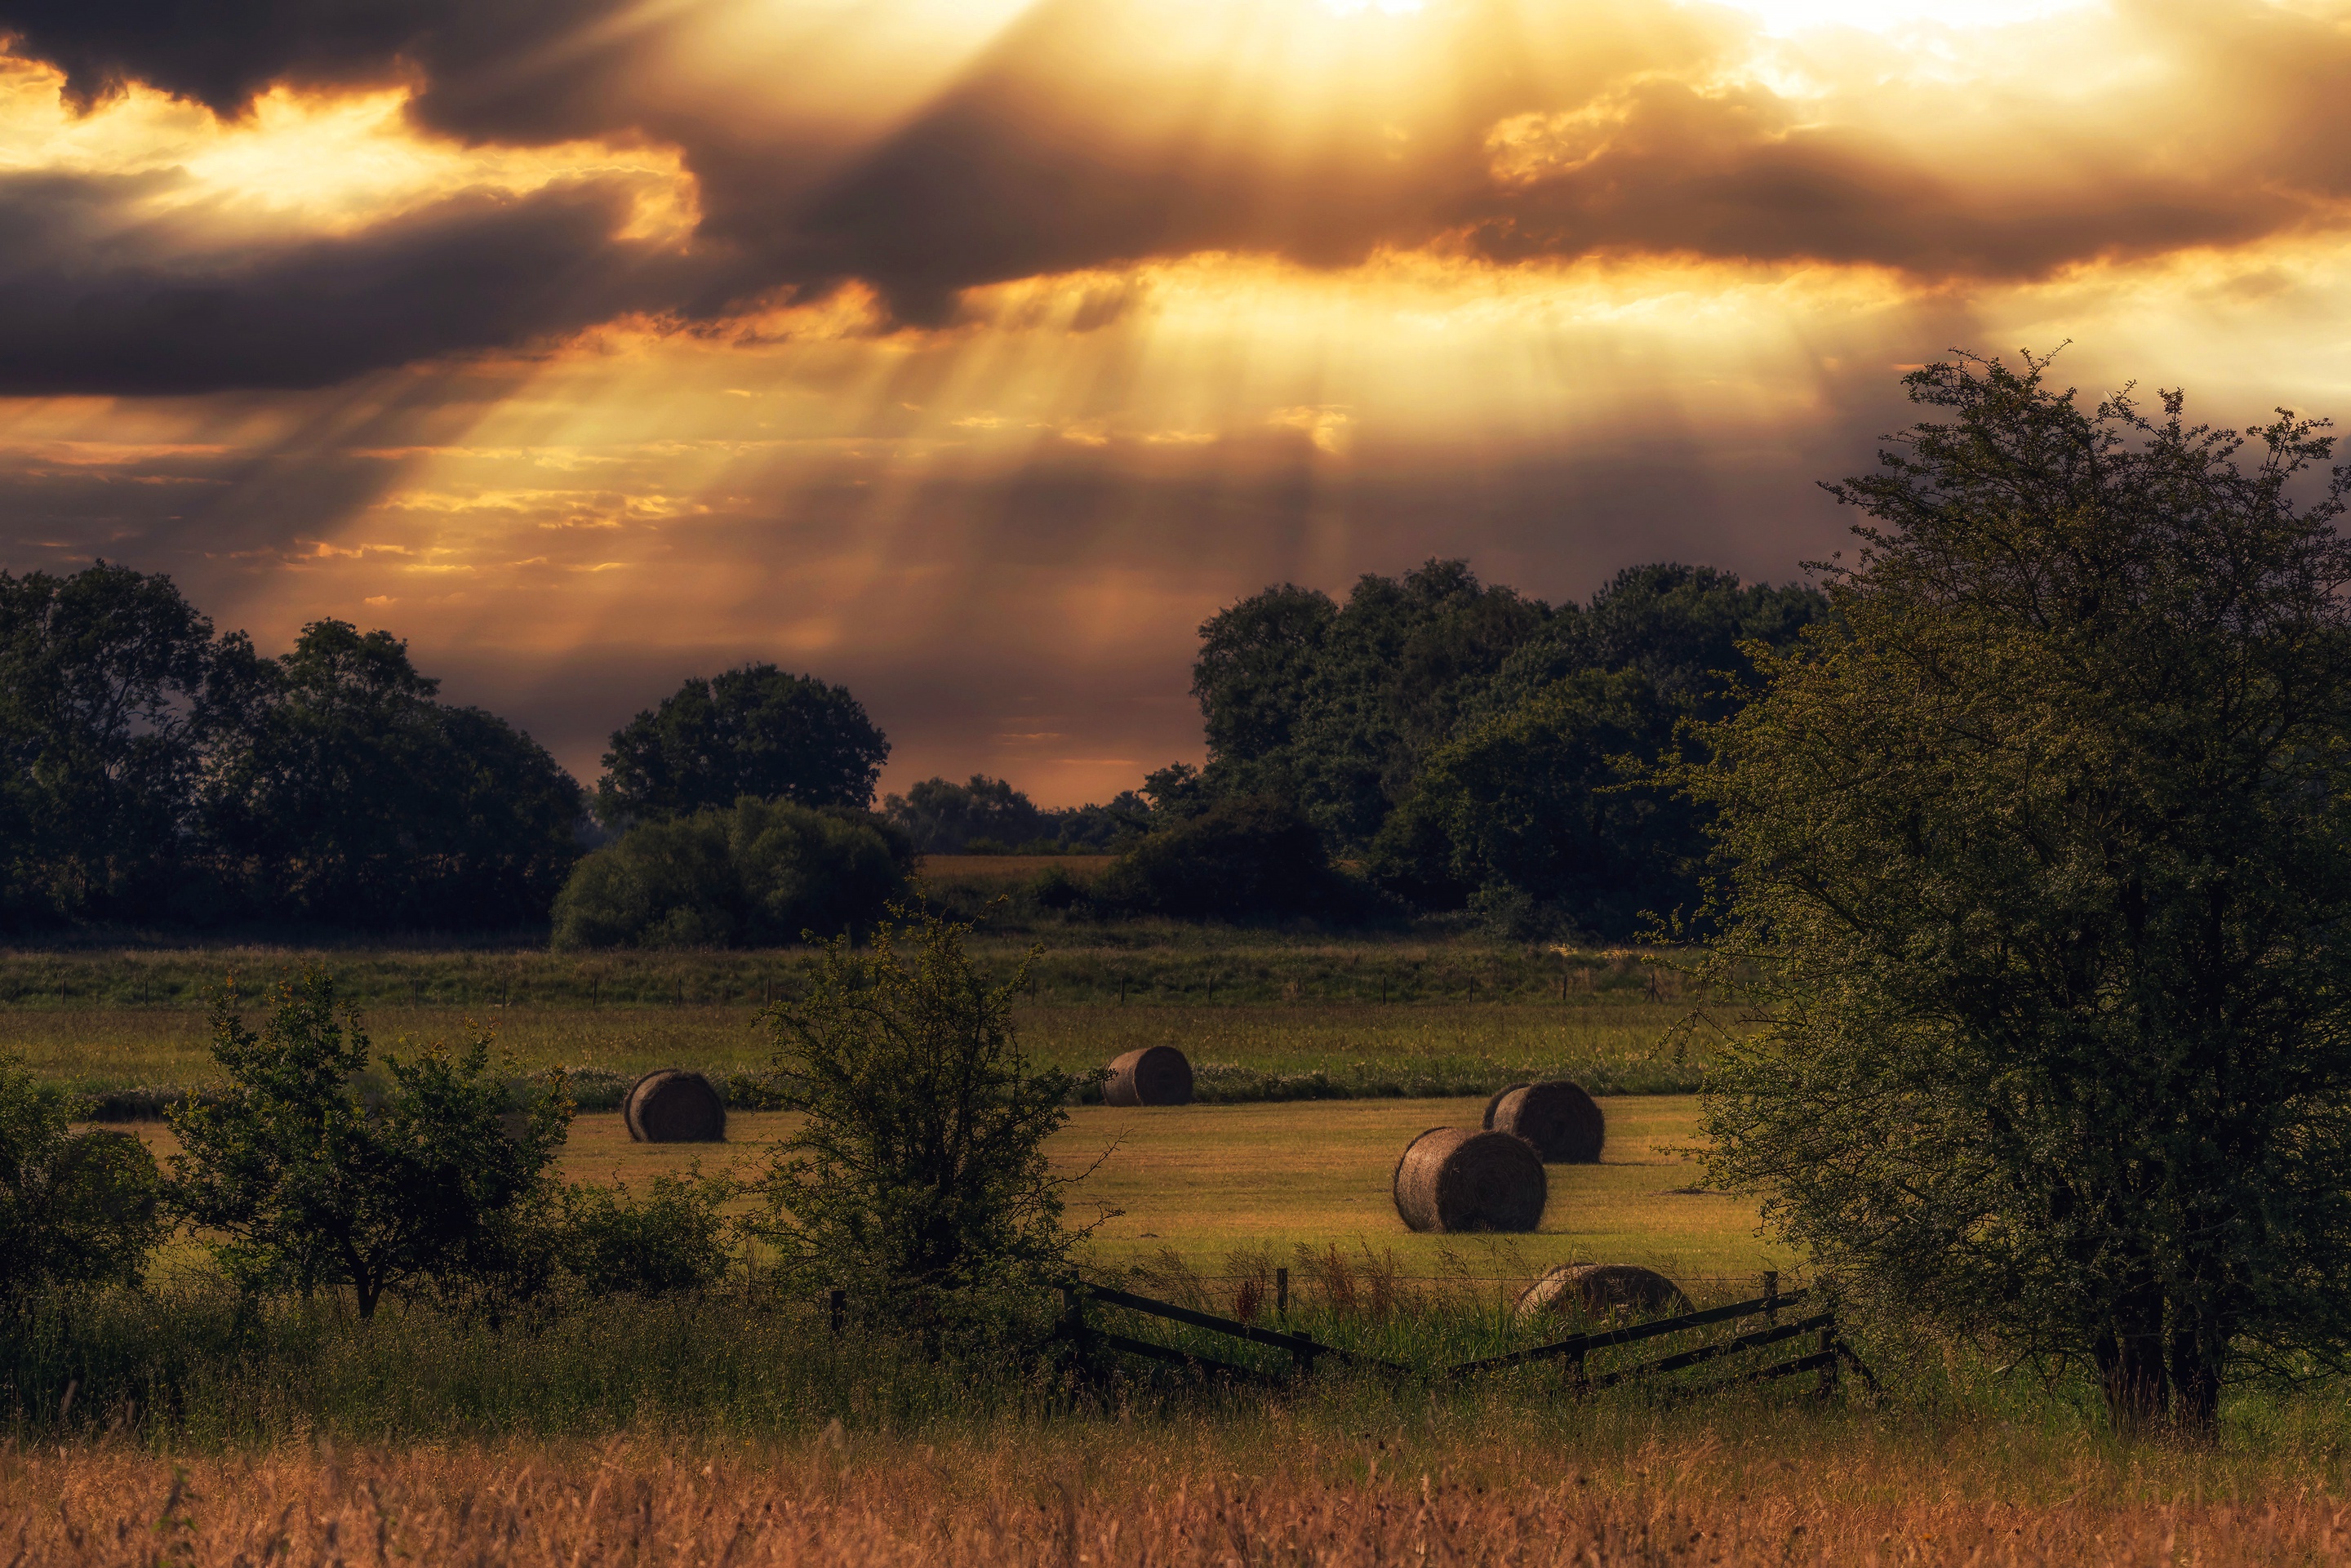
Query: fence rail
1832	1355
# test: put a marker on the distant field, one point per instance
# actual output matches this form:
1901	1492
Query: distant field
1293	1051
1208	1182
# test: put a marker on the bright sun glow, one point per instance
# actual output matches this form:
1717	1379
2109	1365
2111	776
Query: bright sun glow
1788	16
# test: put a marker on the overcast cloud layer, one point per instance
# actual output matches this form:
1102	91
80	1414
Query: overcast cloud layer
972	352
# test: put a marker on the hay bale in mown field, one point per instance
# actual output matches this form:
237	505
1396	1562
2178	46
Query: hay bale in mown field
1603	1290
1458	1179
1156	1075
671	1105
1558	1118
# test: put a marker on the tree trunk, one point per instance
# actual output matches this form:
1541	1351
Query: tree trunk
2130	1359
2195	1377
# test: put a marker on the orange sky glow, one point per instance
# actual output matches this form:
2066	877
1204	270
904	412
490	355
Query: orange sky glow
973	351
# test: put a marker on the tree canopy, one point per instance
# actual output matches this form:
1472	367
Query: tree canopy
154	771
1474	745
755	731
2039	865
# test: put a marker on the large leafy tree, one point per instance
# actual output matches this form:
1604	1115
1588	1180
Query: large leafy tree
349	795
112	687
756	731
1335	706
2041	869
1545	804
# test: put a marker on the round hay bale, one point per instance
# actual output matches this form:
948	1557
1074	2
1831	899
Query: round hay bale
1457	1178
1156	1075
674	1106
1603	1290
1558	1118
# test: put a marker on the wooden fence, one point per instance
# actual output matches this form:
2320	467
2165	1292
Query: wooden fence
1829	1356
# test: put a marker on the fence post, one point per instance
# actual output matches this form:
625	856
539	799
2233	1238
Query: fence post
1771	1296
836	1304
1829	1370
1281	1293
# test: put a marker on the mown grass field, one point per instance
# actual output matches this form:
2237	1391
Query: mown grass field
1211	1183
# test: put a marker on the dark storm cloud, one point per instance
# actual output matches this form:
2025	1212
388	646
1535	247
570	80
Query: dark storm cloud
538	70
1092	134
94	300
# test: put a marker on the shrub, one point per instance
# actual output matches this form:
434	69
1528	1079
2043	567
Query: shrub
674	1239
317	1178
918	1180
1247	855
75	1208
1055	888
757	874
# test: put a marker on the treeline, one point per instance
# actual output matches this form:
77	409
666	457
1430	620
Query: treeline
1468	747
158	771
1431	743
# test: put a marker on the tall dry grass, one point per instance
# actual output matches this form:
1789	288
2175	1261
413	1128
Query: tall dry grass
1814	1492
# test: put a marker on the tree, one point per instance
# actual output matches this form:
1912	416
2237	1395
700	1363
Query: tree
1684	628
918	1180
111	686
1255	657
759	876
350	796
2040	865
318	1179
1543	806
75	1207
943	817
753	731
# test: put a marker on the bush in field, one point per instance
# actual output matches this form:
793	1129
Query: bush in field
674	1239
75	1208
315	1178
757	874
1245	856
918	1180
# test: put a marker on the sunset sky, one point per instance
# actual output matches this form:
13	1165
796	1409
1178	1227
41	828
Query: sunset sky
972	352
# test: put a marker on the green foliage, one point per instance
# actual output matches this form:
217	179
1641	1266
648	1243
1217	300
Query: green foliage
1541	804
674	1239
316	1178
944	818
759	874
1343	709
917	1180
1334	707
754	731
2039	863
152	772
350	797
111	686
1246	857
1682	627
76	1209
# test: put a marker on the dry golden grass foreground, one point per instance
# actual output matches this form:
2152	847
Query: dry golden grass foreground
1837	1493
